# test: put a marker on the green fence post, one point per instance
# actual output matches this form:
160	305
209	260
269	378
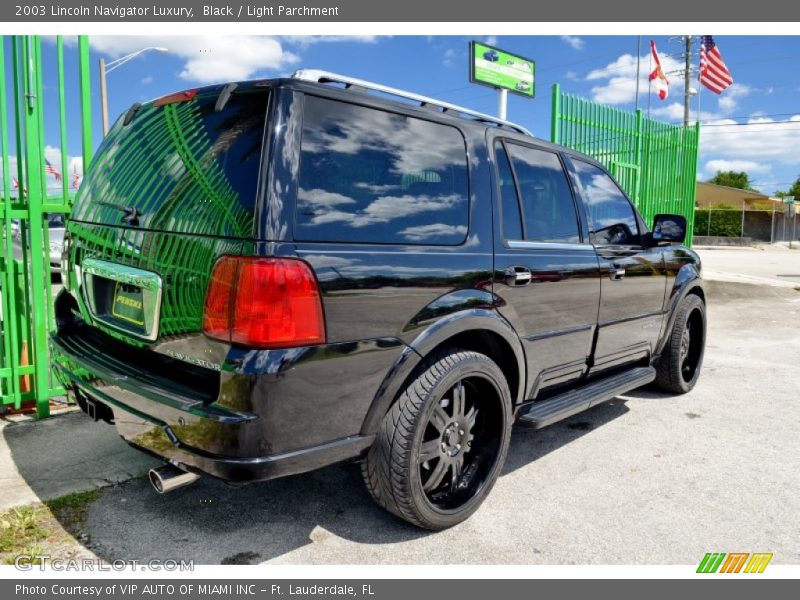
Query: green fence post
86	100
637	155
62	121
9	388
654	161
37	193
555	121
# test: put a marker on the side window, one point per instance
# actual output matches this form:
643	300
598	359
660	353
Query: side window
372	176
512	221
547	206
611	215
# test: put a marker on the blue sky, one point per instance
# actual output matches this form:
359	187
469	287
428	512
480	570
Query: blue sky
766	92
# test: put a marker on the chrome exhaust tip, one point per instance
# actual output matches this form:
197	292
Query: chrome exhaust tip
168	478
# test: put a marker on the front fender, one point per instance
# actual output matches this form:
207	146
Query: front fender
429	339
687	280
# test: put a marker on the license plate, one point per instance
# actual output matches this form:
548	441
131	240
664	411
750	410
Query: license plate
128	304
122	297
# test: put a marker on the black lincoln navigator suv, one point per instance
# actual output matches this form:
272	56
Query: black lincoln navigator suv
268	277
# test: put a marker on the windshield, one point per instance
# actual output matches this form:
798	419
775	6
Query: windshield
186	163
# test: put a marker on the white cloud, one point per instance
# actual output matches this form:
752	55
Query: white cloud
491	40
571	76
729	99
318	198
749	166
74	165
617	80
449	57
208	59
215	58
674	112
146	80
52	154
575	42
422	233
762	139
304	41
671	112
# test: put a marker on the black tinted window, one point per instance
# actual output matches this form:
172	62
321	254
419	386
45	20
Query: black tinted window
547	205
611	216
185	165
373	176
512	222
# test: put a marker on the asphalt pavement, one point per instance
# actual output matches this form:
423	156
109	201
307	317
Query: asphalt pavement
645	479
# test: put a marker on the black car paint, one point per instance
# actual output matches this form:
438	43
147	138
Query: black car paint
302	408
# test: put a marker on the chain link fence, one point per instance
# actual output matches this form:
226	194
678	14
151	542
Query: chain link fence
780	223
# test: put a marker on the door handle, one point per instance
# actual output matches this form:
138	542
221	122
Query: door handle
616	273
517	276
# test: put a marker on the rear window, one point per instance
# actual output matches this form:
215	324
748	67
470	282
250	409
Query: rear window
372	176
183	164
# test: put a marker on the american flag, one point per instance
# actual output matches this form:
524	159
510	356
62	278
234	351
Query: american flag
49	168
713	72
15	183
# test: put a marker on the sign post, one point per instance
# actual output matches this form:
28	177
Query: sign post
789	200
502	71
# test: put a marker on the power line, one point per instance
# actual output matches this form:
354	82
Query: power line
759	116
767	123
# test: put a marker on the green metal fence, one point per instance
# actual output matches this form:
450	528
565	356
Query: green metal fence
26	302
655	162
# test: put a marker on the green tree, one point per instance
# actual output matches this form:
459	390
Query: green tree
734	179
795	190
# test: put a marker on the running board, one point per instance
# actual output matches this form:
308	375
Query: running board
546	412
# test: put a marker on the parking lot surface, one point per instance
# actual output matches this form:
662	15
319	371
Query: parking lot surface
645	479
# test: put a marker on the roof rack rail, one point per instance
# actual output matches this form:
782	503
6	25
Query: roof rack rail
318	76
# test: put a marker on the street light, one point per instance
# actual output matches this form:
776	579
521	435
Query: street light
105	69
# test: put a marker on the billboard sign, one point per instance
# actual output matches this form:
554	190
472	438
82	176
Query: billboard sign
501	70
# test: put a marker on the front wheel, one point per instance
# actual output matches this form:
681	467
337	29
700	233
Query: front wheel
441	446
678	368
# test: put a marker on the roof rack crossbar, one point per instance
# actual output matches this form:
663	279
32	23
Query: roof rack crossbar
318	76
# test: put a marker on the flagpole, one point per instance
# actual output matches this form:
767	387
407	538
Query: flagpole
649	84
638	66
687	78
699	91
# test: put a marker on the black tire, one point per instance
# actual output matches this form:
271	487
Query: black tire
678	368
451	423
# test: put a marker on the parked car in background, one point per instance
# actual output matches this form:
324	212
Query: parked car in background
55	223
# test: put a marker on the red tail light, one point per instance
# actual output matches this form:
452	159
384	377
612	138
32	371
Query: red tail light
264	303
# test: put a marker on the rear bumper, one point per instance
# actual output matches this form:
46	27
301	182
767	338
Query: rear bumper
260	415
159	439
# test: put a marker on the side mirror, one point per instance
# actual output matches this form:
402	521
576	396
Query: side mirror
669	229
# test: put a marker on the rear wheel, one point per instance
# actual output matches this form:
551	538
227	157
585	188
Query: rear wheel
441	446
682	358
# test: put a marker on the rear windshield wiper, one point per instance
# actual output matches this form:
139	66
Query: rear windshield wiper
131	214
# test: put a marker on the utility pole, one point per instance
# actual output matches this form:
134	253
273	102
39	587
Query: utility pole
103	96
687	79
502	104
